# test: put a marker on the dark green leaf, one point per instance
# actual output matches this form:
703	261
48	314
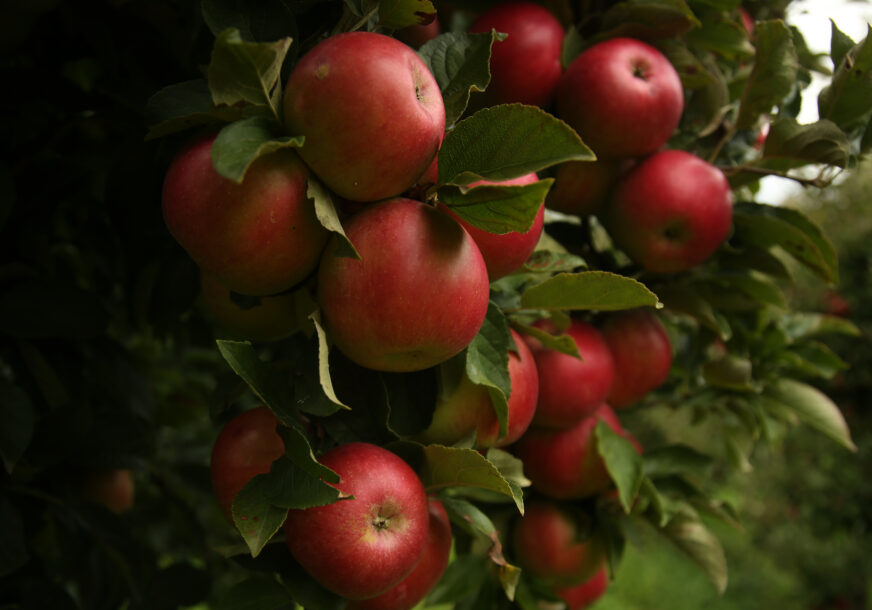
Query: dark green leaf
184	105
260	376
562	343
12	540
701	546
465	575
647	19
16	413
596	290
256	594
469	517
802	325
686	299
820	142
690	68
840	44
487	362
622	461
677	459
504	142
756	286
262	21
396	14
240	143
774	74
813	407
729	372
845	101
550	261
813	359
325	210
723	37
497	209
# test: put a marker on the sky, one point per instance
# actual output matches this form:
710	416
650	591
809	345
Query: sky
812	17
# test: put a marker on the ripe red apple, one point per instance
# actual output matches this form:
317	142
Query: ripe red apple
565	463
582	187
416	35
114	489
557	543
526	66
267	319
571	388
506	252
469	406
427	572
371	112
583	595
259	237
622	96
361	547
418	295
642	353
671	212
246	446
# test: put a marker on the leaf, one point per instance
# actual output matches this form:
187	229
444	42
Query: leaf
730	373
327	215
460	62
255	594
465	575
759	287
487	362
262	21
622	461
246	72
550	261
510	467
691	70
840	44
647	19
814	359
260	377
16	413
495	208
240	143
820	142
723	37
803	325
766	226
677	459
507	141
12	540
845	101
396	14
774	74
701	546
686	298
562	343
184	105
468	516
324	378
813	407
595	290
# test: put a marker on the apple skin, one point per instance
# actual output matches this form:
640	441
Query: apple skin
470	408
526	66
114	489
670	212
584	595
571	389
259	237
246	446
272	319
413	588
417	297
504	253
416	35
622	96
371	112
565	463
550	542
642	353
361	547
582	187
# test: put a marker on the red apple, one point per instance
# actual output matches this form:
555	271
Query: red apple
259	237
361	547
583	595
266	319
671	212
418	295
565	463
556	543
571	388
582	187
469	406
622	96
526	66
371	112
416	35
246	446
114	489
506	252
642	353
427	572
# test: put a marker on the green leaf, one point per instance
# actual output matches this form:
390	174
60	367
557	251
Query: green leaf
622	461
184	105
766	226
562	343
469	517
758	287
647	19
240	143
509	466
396	14
723	37
507	141
262	21
691	70
845	101
730	373
686	299
596	290
840	44
820	142
487	362
813	407
460	62
255	594
16	413
496	208
260	376
803	325
247	72
814	359
465	575
774	74
701	546
677	459
327	215
551	261
324	378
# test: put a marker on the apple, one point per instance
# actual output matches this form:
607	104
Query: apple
642	353
266	319
670	212
622	96
506	252
557	543
565	463
246	446
416	35
114	489
362	546
259	237
582	187
526	66
427	572
371	112
571	388
469	408
582	596
417	296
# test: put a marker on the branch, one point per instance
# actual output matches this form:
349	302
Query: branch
819	181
